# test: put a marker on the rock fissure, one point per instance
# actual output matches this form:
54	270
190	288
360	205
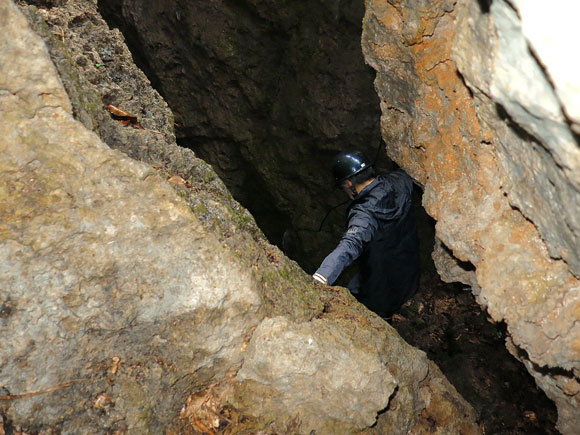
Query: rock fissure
11	92
441	62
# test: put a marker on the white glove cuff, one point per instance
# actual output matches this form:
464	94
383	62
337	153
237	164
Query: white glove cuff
320	278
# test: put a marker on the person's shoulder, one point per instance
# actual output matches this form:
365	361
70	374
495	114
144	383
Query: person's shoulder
397	174
400	176
398	181
362	205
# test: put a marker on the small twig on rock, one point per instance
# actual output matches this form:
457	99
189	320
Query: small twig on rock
36	393
155	131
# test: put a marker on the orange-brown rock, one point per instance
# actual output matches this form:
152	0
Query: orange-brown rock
445	130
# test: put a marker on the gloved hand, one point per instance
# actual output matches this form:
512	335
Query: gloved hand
319	277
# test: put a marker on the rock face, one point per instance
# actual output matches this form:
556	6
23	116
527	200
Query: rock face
101	262
487	127
287	358
127	287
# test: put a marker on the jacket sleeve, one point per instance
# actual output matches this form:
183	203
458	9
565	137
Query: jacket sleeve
360	231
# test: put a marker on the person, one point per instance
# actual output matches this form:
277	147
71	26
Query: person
381	232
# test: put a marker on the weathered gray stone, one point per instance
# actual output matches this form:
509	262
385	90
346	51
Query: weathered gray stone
420	388
550	32
287	359
545	185
100	260
539	162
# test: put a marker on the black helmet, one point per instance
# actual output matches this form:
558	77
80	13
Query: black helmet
348	163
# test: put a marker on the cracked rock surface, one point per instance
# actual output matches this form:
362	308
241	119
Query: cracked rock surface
472	114
129	286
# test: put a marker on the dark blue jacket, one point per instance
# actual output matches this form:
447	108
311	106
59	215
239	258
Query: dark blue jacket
381	231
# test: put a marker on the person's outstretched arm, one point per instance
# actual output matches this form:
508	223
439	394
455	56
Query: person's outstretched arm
361	229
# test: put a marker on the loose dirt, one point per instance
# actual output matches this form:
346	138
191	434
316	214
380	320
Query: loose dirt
445	321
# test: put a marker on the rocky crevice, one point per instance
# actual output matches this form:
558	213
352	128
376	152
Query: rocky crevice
145	281
499	173
272	92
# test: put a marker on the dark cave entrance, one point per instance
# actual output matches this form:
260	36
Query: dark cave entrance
267	94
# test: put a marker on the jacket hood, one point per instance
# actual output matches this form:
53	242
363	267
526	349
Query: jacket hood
387	197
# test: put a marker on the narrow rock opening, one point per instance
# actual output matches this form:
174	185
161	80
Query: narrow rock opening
267	95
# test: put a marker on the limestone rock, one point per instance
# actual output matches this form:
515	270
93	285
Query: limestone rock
549	32
116	79
484	132
127	288
286	359
96	70
539	162
101	260
420	387
545	187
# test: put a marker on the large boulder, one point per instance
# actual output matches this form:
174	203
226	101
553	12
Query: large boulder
477	109
128	290
111	289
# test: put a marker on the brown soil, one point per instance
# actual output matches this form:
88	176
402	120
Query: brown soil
445	321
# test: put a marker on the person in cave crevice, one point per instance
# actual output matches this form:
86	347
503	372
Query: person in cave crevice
381	233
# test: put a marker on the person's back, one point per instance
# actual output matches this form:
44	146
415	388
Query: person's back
381	233
389	263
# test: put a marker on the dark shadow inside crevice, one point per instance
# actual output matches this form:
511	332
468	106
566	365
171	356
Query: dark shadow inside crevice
484	5
247	187
467	266
514	126
445	321
267	96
